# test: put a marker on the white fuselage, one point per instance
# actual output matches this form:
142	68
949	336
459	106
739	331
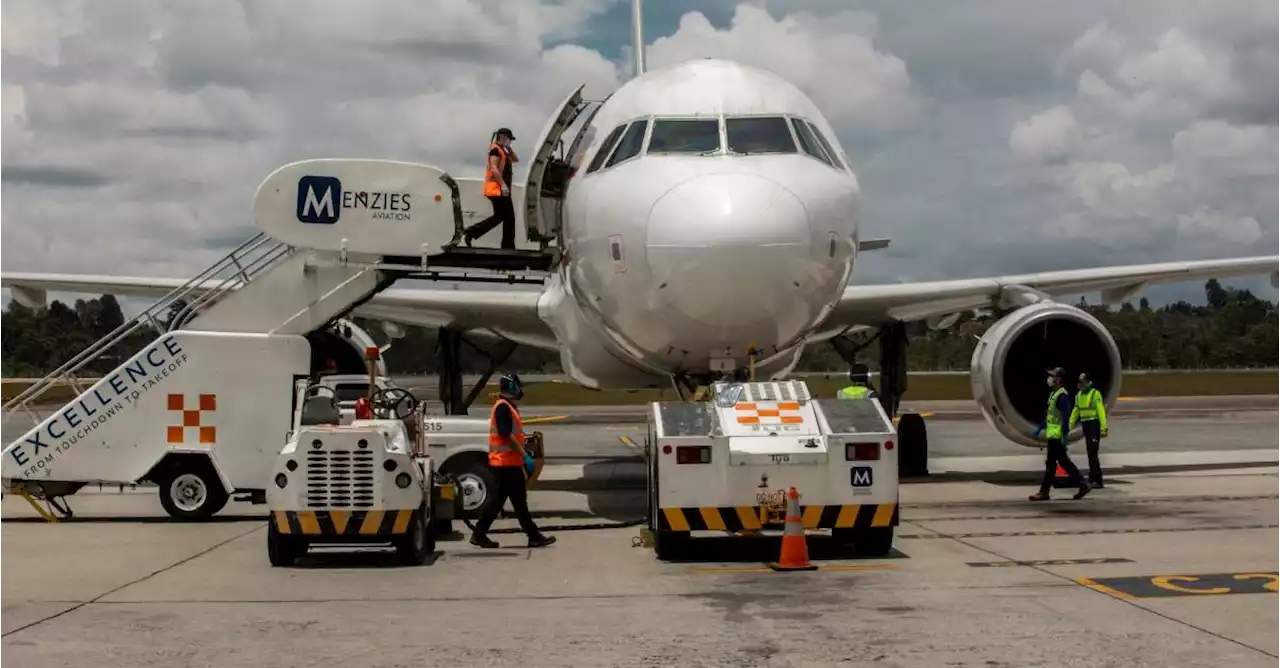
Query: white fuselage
677	258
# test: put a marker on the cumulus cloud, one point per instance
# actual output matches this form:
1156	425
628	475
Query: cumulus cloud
1159	150
832	57
1051	136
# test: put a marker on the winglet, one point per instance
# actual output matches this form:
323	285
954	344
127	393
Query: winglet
637	38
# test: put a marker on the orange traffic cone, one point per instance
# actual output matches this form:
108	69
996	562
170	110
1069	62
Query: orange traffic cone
795	551
1060	479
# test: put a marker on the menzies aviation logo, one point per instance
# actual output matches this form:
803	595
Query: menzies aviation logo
321	201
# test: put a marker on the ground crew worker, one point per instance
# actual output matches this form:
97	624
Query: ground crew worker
497	187
507	460
1057	412
860	377
1092	415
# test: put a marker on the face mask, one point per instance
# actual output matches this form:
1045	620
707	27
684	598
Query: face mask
1048	381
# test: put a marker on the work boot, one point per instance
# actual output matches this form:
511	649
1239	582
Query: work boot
483	541
1039	496
1084	489
541	541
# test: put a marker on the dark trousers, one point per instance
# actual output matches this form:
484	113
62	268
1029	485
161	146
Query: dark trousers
504	213
1055	454
511	485
1092	439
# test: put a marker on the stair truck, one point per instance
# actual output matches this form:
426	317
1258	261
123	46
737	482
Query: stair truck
370	481
723	466
203	408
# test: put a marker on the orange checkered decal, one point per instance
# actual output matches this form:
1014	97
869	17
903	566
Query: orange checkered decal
193	418
769	412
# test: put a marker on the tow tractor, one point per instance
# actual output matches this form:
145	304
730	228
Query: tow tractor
371	481
724	466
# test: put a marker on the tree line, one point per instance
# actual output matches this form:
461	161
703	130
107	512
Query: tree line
1232	329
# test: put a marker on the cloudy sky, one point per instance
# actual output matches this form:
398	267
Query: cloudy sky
1000	136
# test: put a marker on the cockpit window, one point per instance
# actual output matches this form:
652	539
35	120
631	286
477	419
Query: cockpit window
759	135
685	136
808	142
605	146
630	145
831	151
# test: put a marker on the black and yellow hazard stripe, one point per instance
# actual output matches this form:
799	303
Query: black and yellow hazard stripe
343	522
738	518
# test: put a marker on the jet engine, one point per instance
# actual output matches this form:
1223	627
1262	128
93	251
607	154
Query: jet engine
339	348
1008	371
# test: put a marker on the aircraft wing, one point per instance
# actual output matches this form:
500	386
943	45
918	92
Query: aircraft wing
508	314
871	305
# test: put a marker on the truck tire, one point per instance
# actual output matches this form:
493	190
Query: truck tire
873	542
476	483
413	548
282	550
191	491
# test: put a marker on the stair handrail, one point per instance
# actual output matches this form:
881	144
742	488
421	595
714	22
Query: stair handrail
128	327
241	278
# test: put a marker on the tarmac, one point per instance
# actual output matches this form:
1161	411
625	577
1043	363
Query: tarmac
1169	565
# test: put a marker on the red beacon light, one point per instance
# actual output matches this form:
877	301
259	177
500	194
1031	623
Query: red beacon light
364	410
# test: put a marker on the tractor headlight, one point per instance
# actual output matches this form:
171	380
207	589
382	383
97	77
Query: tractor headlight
281	480
403	480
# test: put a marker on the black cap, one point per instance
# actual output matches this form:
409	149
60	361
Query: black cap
1057	372
1084	378
507	132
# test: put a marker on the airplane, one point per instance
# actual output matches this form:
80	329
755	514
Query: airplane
710	223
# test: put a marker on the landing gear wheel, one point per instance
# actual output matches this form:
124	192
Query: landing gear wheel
874	542
282	550
192	492
669	545
476	484
413	548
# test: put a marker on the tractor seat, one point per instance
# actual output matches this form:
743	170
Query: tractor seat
320	410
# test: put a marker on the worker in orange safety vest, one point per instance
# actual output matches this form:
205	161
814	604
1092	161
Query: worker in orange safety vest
507	461
497	187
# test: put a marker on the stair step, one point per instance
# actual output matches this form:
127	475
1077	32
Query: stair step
493	259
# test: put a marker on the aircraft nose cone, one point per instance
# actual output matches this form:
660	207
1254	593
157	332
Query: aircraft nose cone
731	250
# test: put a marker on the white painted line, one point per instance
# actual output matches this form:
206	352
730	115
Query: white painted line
1035	462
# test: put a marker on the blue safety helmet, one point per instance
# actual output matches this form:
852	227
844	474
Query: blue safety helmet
511	386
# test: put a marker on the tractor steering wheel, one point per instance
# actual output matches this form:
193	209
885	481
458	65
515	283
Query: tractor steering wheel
394	401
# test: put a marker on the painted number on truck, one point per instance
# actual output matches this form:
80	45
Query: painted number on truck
432	425
780	459
860	476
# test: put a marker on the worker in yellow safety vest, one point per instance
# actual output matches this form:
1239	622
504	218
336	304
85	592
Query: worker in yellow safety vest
1091	412
860	377
507	460
1052	429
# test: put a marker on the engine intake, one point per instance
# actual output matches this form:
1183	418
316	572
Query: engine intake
1009	363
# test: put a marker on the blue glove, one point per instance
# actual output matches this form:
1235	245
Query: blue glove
529	464
1036	434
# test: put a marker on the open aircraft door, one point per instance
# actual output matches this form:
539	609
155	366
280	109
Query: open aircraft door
550	170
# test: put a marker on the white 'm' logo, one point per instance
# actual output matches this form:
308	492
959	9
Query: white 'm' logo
862	477
324	204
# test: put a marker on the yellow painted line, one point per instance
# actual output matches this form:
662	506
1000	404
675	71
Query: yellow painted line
835	568
1129	399
545	418
923	415
631	444
1116	593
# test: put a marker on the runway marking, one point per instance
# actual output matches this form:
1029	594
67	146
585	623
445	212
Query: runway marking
841	568
1130	399
545	418
1085	532
1161	586
1049	562
631	445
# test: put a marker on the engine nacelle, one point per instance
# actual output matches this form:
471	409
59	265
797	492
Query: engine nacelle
1009	364
343	344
